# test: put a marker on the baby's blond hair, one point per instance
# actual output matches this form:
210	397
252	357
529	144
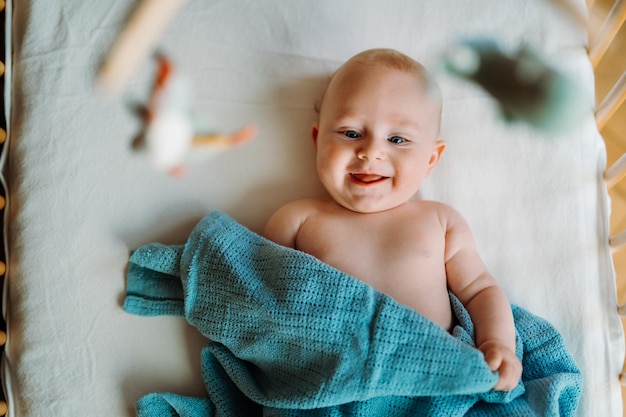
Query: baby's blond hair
390	58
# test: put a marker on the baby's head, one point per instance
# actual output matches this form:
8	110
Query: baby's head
391	60
377	137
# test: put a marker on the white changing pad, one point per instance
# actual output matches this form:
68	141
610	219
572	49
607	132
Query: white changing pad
81	199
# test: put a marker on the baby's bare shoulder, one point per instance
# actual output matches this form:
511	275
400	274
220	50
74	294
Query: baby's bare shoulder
283	226
302	207
294	211
443	211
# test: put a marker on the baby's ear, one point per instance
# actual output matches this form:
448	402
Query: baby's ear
438	148
315	130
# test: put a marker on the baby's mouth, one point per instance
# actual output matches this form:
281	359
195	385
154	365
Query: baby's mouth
368	178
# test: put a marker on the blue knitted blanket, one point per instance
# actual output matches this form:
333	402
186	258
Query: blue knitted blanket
292	336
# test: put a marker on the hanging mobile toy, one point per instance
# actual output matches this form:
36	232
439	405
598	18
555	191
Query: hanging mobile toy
171	134
526	88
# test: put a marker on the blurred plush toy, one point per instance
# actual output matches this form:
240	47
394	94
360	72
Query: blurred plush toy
171	134
171	131
526	88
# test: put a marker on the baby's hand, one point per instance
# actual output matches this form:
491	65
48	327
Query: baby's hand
502	359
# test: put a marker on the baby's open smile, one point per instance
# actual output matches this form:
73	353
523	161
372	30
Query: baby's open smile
367	178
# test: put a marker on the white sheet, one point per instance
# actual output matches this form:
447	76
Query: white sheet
81	199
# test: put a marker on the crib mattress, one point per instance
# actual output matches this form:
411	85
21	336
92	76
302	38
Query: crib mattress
81	198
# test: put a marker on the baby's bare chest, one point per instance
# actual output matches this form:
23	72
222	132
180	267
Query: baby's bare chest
384	251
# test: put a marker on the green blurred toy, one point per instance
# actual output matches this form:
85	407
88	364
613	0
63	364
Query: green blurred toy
525	86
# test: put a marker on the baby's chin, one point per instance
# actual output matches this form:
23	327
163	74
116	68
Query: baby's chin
366	200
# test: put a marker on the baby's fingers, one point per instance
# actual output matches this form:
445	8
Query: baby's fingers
503	360
509	373
494	359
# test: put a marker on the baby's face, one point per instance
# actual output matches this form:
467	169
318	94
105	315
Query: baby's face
376	138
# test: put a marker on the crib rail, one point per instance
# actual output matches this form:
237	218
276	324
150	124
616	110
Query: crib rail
608	31
607	109
610	104
616	172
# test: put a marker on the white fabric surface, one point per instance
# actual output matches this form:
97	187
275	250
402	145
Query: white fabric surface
81	199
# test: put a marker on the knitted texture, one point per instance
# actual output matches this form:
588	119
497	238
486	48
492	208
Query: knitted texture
292	336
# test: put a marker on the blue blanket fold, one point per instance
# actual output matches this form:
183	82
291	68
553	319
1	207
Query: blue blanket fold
292	336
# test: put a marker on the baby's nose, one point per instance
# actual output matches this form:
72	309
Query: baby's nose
370	150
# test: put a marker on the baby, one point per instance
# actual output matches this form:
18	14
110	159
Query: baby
377	140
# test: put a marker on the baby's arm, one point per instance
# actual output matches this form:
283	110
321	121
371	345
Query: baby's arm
485	301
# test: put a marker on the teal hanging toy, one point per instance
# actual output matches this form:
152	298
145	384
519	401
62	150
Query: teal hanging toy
526	88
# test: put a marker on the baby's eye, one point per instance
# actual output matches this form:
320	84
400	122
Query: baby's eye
396	139
352	134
